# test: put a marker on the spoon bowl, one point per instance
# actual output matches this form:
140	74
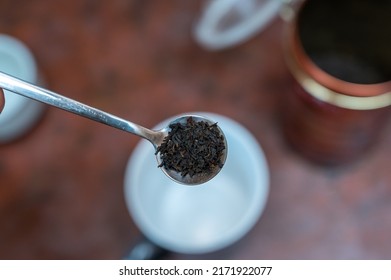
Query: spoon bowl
198	178
32	91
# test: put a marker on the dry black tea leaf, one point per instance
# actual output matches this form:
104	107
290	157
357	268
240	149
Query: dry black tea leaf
192	148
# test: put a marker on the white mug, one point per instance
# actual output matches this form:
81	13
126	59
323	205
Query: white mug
226	23
20	113
204	218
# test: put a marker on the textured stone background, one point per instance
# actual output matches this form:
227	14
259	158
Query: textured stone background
61	190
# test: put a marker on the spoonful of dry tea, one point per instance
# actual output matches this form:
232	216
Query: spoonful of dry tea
194	149
191	150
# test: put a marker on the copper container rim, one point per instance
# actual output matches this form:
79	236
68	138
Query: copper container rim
326	87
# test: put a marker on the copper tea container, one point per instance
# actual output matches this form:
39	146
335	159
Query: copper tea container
337	106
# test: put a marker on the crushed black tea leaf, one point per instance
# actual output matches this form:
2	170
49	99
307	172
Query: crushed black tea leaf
195	147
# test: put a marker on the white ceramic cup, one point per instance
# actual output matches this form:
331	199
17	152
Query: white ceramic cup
19	113
205	218
226	23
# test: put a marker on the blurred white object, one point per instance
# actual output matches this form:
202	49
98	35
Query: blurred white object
205	218
19	113
225	23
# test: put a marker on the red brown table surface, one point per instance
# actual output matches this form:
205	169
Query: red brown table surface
61	190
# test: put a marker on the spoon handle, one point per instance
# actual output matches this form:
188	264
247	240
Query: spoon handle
51	98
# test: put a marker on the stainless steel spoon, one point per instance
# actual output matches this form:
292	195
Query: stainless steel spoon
156	137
